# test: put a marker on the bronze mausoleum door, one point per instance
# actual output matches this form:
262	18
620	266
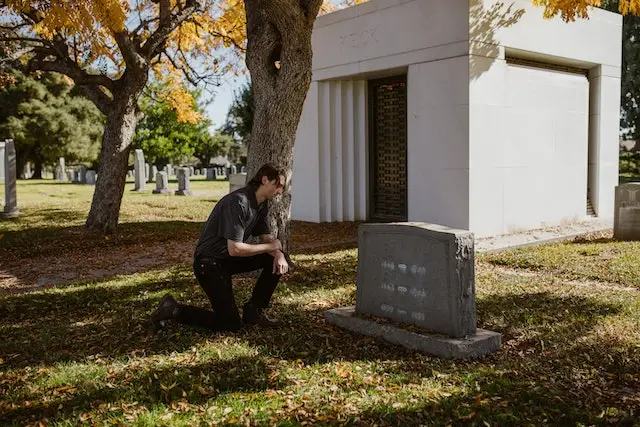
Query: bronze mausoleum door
388	149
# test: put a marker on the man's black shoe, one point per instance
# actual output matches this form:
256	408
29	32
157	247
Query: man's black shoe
167	309
252	315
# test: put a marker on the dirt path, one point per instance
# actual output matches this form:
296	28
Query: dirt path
31	274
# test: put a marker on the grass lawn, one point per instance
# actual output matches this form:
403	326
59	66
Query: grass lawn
81	353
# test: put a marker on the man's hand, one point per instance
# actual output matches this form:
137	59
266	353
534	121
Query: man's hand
280	265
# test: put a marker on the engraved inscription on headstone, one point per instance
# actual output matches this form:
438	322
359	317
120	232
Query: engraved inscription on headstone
404	274
422	275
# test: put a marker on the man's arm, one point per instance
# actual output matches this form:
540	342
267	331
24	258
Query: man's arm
240	249
268	238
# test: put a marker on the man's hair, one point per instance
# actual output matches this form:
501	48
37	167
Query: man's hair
269	170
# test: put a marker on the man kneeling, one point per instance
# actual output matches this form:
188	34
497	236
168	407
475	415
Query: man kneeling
223	251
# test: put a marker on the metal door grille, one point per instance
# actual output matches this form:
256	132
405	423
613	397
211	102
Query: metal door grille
388	121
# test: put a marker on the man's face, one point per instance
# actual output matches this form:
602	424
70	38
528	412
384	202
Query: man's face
274	187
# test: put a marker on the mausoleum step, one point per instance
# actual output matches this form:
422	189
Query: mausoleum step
590	211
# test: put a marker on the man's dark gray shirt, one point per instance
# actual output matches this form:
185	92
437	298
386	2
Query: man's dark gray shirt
237	216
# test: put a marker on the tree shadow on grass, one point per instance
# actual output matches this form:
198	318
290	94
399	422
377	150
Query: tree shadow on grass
308	337
42	329
57	216
36	241
195	383
74	322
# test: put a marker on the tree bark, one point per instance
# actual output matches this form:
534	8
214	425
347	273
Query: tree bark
114	157
279	59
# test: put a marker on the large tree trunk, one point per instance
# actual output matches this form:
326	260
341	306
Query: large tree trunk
279	60
114	157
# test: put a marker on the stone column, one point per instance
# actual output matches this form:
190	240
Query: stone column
10	188
154	172
138	165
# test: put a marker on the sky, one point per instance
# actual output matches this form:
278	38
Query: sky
217	110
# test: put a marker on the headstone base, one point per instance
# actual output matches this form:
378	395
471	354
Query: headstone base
479	344
161	191
11	214
183	192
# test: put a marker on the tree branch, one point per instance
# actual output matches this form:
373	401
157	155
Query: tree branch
155	43
68	68
311	9
21	39
98	97
129	50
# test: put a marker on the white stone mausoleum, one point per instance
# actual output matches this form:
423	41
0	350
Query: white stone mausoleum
473	114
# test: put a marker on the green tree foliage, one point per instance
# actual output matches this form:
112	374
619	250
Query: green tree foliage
630	78
161	136
47	119
240	115
218	144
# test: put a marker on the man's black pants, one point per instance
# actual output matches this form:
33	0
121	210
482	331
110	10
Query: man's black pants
214	276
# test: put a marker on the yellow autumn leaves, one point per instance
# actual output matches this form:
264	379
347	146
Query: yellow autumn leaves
569	10
210	38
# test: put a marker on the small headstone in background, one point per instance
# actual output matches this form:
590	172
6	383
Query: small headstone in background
146	172
422	275
162	183
82	174
26	171
91	177
170	170
184	185
626	220
138	171
196	172
237	181
154	172
71	174
192	170
2	161
61	172
10	181
211	174
243	169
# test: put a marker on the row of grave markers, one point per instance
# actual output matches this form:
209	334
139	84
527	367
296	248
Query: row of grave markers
8	174
141	175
